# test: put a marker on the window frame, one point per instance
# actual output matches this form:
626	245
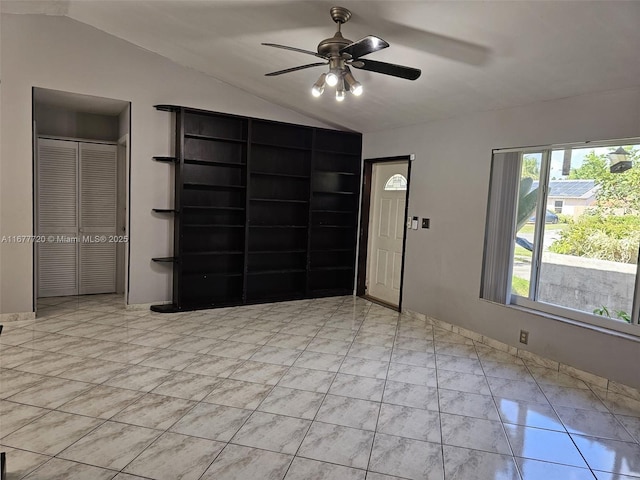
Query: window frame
531	303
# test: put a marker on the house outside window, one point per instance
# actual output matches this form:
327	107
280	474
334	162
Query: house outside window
565	241
557	206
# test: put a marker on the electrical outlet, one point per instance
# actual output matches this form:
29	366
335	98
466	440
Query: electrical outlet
524	337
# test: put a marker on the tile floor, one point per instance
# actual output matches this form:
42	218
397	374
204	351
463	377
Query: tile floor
327	389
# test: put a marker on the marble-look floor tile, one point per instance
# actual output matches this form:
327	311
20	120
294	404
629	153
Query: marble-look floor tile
174	456
286	340
463	382
364	368
323	345
291	402
336	444
306	379
140	378
19	336
231	349
111	445
370	352
305	469
631	424
214	422
409	422
57	469
546	445
609	455
336	333
416	344
357	387
375	339
536	469
300	329
409	395
242	463
412	357
519	412
13	382
15	415
510	371
276	433
516	390
51	433
380	476
319	361
456	350
239	394
11	357
425	377
475	433
155	411
259	372
101	402
593	424
20	462
154	339
469	404
51	392
214	366
127	353
546	376
349	412
619	404
254	337
572	397
50	363
189	386
92	370
275	355
470	464
194	344
170	360
407	458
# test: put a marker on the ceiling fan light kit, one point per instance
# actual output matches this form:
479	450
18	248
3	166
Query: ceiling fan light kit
339	53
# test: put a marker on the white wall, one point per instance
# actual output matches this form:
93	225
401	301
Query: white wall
68	123
449	184
62	54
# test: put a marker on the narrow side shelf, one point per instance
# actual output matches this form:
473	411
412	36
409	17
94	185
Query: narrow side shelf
166	159
165	210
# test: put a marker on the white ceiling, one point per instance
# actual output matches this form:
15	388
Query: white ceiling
474	56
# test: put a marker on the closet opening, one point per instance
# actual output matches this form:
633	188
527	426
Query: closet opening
81	146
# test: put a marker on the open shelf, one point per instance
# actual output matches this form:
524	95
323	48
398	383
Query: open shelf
166	159
212	137
164	210
267	210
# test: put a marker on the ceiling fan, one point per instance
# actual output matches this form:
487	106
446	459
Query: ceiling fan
340	54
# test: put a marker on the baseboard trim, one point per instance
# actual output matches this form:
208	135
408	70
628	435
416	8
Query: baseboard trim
587	377
16	317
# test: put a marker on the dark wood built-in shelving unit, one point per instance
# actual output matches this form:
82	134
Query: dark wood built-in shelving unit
264	211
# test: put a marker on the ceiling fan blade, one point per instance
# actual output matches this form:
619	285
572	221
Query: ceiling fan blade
387	69
293	49
295	69
365	46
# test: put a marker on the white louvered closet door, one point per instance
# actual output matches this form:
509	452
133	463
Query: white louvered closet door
57	218
98	196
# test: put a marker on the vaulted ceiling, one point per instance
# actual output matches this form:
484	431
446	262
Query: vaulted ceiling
474	56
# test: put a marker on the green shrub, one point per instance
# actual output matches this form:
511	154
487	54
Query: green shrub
564	218
606	237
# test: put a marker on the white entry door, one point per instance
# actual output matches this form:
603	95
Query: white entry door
386	231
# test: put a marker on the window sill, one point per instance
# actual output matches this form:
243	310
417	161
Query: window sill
612	327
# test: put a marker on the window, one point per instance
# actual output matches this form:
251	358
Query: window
557	206
563	233
396	182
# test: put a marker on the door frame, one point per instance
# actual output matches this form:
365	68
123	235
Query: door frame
365	213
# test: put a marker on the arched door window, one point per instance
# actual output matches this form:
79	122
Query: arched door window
396	182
